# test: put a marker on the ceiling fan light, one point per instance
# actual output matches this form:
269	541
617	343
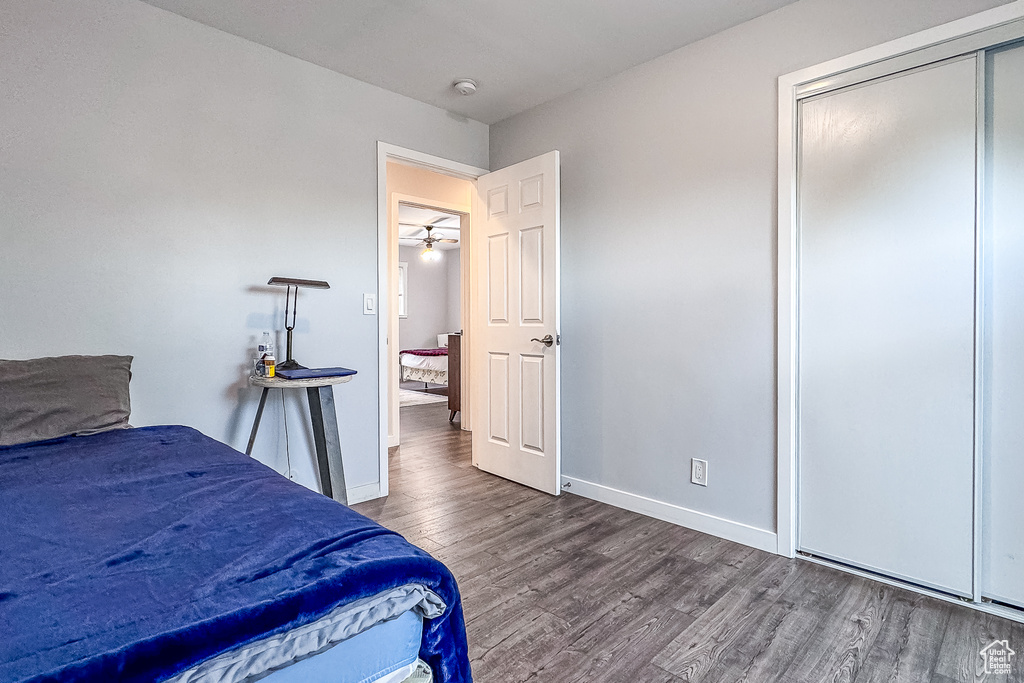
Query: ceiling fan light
430	255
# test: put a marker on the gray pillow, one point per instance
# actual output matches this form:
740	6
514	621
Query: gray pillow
45	398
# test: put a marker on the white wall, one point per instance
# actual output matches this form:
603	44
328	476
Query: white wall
428	299
668	252
154	173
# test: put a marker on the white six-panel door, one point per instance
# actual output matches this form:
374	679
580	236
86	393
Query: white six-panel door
515	281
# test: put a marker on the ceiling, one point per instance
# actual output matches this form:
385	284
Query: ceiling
521	53
412	235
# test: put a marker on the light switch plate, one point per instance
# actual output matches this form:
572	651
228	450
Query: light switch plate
369	304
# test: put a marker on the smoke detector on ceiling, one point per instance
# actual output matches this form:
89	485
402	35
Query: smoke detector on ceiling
464	86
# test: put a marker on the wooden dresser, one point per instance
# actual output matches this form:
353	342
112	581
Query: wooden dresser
454	375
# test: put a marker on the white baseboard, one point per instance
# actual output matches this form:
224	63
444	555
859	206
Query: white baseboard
361	494
393	441
691	519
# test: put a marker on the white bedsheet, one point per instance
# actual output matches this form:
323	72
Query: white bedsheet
435	363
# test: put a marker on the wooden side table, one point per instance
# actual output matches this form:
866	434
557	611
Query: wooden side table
320	394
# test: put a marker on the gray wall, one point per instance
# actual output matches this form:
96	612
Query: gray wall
668	251
428	299
155	173
454	291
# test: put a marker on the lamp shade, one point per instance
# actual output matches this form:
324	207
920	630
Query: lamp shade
297	282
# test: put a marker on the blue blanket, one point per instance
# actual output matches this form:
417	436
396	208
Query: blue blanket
135	554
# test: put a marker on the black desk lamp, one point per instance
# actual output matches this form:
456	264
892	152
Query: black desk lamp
292	298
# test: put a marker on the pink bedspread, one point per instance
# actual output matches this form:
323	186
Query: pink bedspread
426	352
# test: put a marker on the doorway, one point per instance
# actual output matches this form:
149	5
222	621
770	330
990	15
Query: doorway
429	307
510	307
422	184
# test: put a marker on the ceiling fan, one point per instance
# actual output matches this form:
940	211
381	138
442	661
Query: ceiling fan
429	241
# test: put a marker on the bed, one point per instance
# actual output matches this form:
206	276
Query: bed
424	365
159	554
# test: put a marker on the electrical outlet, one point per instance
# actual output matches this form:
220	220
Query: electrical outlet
699	471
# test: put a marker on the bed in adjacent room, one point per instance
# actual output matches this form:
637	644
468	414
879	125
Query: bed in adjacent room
424	365
159	554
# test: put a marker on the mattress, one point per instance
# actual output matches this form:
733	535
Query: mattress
361	641
384	654
431	369
137	555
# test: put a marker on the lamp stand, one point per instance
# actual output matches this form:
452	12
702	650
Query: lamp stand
290	363
291	299
291	304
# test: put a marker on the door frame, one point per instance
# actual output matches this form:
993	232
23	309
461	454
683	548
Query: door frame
970	34
387	152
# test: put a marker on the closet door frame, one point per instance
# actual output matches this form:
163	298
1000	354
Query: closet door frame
973	34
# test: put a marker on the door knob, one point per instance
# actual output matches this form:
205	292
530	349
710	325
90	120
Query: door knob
548	340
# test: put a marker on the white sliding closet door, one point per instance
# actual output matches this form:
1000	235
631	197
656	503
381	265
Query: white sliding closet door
886	325
1003	461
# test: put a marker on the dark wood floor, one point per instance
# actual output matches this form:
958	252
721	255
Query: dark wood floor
569	590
